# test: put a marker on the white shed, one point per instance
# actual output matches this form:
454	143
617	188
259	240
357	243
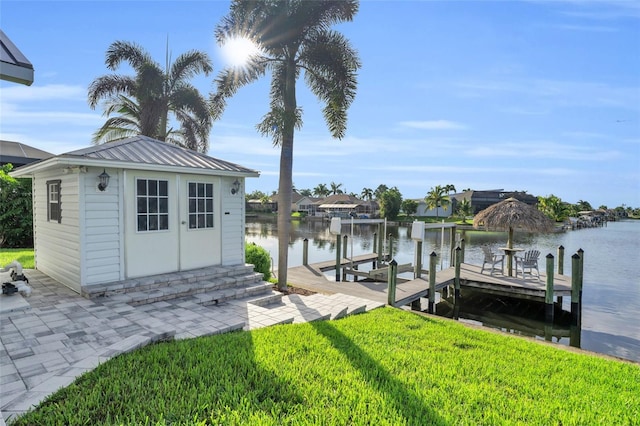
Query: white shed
164	209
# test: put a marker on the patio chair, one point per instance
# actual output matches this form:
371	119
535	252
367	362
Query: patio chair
528	263
492	260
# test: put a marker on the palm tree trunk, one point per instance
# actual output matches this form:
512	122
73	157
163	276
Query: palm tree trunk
286	175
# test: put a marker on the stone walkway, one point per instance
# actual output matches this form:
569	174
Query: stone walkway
53	336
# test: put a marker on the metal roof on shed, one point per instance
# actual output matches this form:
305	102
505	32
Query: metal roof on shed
143	152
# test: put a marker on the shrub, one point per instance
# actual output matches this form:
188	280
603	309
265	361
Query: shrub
16	217
259	258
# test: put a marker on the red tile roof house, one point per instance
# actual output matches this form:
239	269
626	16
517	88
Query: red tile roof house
163	209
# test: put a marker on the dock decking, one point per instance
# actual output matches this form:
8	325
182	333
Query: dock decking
312	278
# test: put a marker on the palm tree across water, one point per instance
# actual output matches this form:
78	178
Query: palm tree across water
367	194
436	198
335	188
321	190
294	38
145	101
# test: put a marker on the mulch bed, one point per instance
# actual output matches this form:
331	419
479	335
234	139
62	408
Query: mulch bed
295	290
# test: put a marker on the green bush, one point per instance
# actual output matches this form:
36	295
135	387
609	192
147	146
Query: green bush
16	217
259	258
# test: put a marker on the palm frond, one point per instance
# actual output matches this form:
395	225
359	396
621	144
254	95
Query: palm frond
108	86
189	65
132	53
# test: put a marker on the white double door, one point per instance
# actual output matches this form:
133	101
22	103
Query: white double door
171	222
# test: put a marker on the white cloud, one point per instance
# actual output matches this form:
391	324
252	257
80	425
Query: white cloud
547	93
433	125
542	149
592	28
43	93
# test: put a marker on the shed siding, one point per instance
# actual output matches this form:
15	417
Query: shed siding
101	238
57	245
232	220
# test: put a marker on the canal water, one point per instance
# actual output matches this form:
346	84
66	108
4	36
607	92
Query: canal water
611	287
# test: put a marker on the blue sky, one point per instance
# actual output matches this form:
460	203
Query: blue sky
540	96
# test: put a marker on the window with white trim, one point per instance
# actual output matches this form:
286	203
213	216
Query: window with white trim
152	201
54	212
200	200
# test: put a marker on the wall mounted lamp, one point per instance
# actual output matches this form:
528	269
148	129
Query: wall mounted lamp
103	180
235	187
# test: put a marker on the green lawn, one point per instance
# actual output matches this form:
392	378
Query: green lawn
24	256
386	367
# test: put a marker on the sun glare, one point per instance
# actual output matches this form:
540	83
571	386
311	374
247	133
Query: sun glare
237	51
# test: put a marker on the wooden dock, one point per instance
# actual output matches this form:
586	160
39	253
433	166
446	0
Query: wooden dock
312	277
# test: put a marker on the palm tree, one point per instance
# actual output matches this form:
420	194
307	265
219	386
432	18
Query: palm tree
294	38
335	188
321	190
464	210
381	189
436	198
450	188
367	194
145	101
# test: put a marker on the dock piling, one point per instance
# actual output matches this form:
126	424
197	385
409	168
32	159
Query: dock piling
575	289
456	280
375	248
345	245
432	282
580	273
305	252
391	283
338	253
548	298
560	260
417	270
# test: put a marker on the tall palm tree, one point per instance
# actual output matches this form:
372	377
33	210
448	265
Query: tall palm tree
436	198
335	188
321	190
381	189
145	101
367	194
294	38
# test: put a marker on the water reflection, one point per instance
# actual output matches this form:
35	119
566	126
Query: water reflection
611	292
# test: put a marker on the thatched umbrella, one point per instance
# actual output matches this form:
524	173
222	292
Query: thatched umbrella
512	214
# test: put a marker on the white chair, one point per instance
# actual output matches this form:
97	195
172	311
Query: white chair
528	263
492	259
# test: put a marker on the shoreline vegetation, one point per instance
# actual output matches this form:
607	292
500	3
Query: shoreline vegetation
387	366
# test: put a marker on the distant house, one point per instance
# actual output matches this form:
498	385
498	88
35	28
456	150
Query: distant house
480	200
19	154
424	211
295	197
308	205
14	66
344	205
134	208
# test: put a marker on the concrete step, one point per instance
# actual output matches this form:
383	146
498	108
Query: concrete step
196	278
247	291
217	290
